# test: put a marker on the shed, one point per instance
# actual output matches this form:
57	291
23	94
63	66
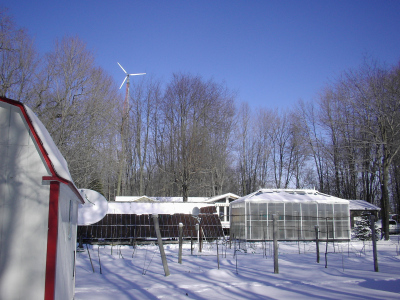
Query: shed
38	210
222	204
359	208
298	212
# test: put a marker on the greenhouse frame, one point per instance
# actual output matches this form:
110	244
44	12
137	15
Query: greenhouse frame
298	212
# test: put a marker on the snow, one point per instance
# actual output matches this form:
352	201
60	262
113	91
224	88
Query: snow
180	199
282	195
159	199
223	197
58	161
153	208
129	273
362	205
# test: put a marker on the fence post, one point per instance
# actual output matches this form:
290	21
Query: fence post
198	235
90	257
180	242
201	238
160	244
218	254
372	221
98	254
275	234
317	241
327	240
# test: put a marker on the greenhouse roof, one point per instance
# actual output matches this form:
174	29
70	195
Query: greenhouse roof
289	195
362	205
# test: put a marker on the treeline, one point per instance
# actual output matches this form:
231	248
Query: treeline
189	137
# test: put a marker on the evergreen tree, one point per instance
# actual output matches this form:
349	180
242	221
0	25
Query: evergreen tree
362	229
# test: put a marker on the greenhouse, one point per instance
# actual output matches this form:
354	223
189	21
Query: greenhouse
298	212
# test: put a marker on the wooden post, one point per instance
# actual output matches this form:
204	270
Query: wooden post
98	254
198	235
275	235
160	244
372	221
217	254
201	238
90	257
80	242
327	240
317	241
180	243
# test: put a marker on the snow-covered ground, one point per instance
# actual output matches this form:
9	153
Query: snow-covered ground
129	273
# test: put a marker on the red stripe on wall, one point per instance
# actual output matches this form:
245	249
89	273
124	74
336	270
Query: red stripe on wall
52	235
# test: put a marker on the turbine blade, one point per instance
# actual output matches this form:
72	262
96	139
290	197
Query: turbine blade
123	82
137	74
122	68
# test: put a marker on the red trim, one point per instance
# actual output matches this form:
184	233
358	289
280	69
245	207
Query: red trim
52	235
54	176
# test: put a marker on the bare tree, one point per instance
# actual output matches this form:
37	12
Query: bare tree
18	59
314	137
143	108
77	103
378	107
188	121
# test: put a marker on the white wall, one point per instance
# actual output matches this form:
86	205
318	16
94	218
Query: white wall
66	243
23	210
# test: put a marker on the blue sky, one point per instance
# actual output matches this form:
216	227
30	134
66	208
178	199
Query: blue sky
272	53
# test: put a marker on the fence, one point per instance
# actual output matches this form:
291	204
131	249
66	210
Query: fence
128	227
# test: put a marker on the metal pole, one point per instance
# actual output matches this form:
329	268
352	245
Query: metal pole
275	235
180	242
160	244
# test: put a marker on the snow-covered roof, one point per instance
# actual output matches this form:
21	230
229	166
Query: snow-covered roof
180	199
362	205
219	197
141	208
286	195
52	155
58	161
160	199
133	198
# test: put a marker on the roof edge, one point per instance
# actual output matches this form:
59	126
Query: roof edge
55	176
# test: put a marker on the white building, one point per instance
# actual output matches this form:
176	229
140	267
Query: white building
222	204
38	210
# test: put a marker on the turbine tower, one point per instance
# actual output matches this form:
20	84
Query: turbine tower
125	114
126	103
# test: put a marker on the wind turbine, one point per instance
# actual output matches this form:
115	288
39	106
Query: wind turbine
125	114
127	87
